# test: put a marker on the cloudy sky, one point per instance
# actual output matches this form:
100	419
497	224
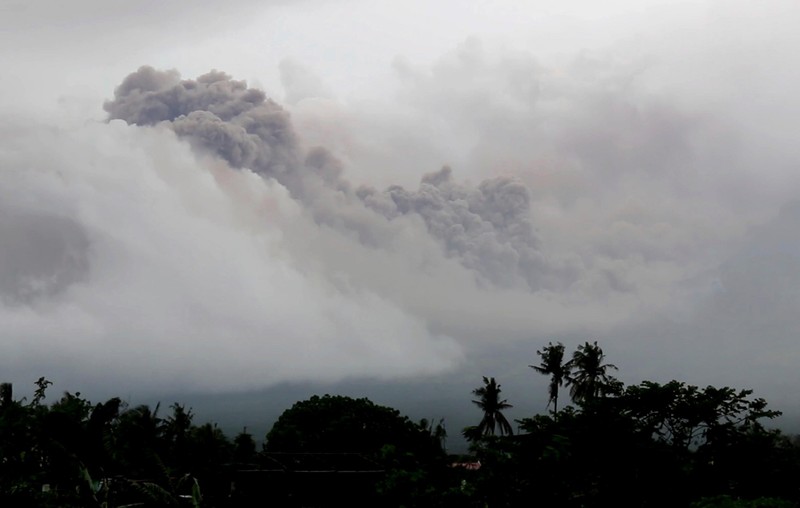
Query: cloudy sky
229	197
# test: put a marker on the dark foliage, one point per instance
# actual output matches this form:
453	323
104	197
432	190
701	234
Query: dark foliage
647	445
344	424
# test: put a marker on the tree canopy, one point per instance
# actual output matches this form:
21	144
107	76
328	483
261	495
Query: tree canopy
335	423
492	405
588	376
644	445
553	365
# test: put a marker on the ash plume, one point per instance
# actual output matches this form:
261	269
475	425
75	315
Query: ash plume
486	228
215	112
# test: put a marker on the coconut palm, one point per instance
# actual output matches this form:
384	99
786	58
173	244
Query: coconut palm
588	378
176	431
553	365
138	441
492	407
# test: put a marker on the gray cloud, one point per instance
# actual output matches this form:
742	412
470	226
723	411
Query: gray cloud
487	228
129	261
236	122
300	83
655	191
628	189
40	255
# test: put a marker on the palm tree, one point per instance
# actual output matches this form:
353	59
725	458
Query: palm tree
554	366
176	431
138	441
492	408
588	378
438	433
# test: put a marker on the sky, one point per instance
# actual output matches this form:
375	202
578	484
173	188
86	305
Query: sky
394	199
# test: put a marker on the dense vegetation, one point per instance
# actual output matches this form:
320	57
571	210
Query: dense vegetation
645	445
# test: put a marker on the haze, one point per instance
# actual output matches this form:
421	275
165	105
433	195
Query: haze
395	199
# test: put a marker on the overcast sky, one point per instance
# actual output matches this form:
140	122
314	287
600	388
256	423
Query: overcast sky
618	171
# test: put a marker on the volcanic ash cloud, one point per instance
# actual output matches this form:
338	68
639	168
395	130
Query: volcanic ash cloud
128	260
486	228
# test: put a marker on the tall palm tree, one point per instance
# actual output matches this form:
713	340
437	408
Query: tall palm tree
492	407
553	365
588	378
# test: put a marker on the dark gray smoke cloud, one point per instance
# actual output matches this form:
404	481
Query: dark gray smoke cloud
126	259
216	112
487	228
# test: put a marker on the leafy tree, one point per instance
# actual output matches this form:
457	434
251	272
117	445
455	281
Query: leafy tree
590	457
588	378
709	441
209	449
685	416
718	435
489	402
553	365
344	424
409	453
244	447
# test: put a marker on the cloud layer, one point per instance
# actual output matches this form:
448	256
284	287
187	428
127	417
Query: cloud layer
632	182
487	228
129	261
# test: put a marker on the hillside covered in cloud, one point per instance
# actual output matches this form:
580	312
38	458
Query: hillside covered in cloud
313	219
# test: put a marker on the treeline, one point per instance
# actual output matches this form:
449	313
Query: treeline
75	453
644	445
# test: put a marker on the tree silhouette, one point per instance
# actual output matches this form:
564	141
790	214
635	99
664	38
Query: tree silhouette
176	430
338	424
138	441
438	433
244	447
553	365
492	408
587	376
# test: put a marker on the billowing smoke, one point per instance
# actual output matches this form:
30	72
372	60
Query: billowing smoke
487	228
218	113
621	173
128	262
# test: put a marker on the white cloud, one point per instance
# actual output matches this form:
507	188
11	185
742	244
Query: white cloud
655	138
183	279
